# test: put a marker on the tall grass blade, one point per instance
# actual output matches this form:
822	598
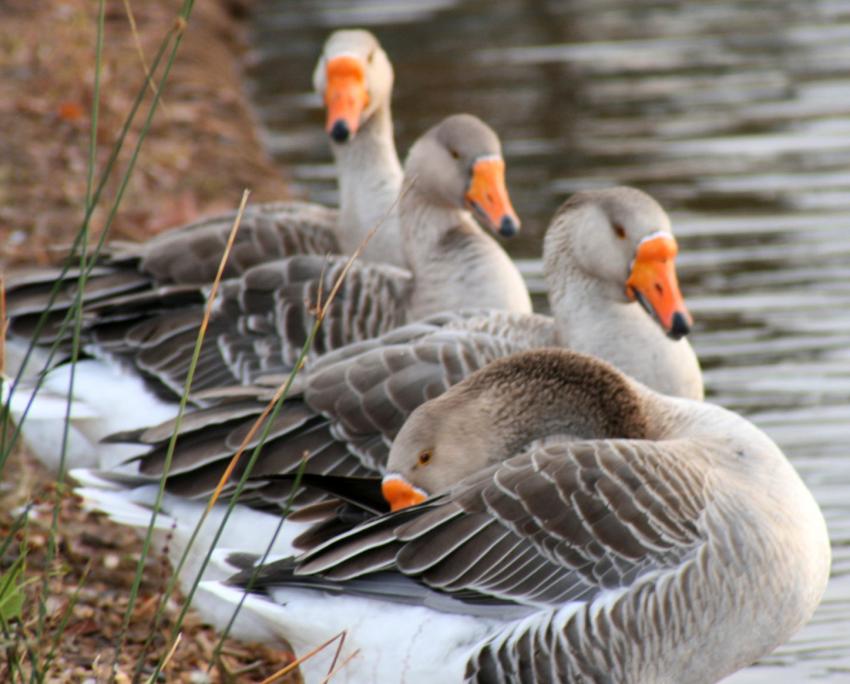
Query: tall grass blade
322	309
11	592
184	399
6	445
77	308
74	315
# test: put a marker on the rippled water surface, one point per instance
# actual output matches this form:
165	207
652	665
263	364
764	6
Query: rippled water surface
736	115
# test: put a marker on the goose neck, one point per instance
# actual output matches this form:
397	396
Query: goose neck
594	317
424	224
374	143
369	176
455	264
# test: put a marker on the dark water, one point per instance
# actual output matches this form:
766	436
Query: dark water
735	115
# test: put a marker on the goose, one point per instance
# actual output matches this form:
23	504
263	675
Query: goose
262	319
354	78
557	521
347	406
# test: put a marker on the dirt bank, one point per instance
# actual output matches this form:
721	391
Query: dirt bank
201	152
202	149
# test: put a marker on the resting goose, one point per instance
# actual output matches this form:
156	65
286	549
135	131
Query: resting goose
349	404
579	528
261	320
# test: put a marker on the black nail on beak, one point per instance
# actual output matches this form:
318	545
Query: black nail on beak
508	227
340	131
680	326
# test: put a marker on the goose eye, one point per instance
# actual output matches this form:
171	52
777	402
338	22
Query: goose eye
425	457
370	57
454	153
619	231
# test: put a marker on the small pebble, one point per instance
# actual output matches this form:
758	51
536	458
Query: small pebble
18	237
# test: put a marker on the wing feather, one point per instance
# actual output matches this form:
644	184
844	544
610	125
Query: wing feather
556	523
188	255
352	404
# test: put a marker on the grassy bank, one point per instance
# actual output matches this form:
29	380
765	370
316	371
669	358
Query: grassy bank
202	150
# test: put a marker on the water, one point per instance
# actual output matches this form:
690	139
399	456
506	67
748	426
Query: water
734	114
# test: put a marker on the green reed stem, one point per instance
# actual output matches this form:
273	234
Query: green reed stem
234	498
259	564
75	352
6	445
178	31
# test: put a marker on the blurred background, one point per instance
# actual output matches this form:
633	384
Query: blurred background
734	114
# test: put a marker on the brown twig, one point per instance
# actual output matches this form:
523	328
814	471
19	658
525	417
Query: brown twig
138	43
3	325
345	662
231	238
169	655
297	662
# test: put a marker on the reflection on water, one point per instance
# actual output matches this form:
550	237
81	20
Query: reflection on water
735	114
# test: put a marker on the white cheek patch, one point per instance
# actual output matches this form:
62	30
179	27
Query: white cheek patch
397	477
488	157
647	238
652	236
344	54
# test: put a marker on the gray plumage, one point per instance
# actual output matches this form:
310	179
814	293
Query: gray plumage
263	315
349	404
363	392
654	539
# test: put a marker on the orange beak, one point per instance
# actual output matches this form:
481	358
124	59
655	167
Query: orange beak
654	284
401	494
487	197
346	97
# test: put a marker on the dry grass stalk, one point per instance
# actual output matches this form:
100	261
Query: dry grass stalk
321	311
138	43
169	656
202	330
345	662
4	324
303	659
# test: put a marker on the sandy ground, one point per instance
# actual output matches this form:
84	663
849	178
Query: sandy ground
200	154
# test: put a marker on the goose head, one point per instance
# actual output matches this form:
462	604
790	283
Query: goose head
620	239
496	412
458	164
354	77
441	442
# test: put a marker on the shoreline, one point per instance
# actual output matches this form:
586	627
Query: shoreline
202	150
